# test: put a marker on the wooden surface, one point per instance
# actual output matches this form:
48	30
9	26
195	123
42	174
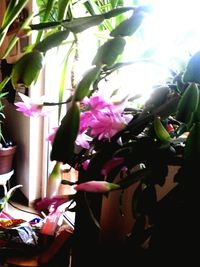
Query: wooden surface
27	262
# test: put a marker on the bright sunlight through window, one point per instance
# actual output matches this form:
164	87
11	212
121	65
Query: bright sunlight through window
168	37
166	40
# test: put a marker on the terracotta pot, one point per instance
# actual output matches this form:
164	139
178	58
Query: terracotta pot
6	159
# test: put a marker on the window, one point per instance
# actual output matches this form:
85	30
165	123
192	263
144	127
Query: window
167	38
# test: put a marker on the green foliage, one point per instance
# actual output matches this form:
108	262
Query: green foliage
188	104
52	40
86	82
78	25
27	69
161	133
108	53
153	137
192	72
192	146
47	9
62	8
129	26
63	147
13	10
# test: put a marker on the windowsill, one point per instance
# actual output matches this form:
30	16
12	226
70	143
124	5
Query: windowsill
20	211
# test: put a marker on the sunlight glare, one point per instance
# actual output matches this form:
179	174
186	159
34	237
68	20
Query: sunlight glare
172	33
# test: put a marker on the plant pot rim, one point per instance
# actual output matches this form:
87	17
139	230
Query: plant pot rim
8	150
6	159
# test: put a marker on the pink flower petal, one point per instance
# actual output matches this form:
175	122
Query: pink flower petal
52	134
46	203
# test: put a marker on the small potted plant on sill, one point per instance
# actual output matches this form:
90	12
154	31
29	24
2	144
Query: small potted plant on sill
7	147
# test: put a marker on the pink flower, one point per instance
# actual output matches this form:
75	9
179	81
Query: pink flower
102	117
85	118
85	164
111	164
95	102
54	202
83	140
29	108
52	134
106	124
96	186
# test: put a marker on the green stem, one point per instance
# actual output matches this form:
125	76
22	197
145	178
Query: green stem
57	103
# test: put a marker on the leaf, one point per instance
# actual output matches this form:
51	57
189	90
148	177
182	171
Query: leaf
11	5
15	38
129	26
161	133
6	198
80	24
108	53
192	73
188	104
63	145
196	117
192	144
91	214
134	177
51	41
63	78
114	3
48	7
90	7
45	25
12	190
117	11
10	46
13	10
27	68
158	175
54	180
62	8
86	82
148	200
3	83
157	97
135	201
121	202
45	10
181	129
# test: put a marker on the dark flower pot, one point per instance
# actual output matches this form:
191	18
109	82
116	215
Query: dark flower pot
6	159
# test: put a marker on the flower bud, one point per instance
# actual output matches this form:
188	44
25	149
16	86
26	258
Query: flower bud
96	186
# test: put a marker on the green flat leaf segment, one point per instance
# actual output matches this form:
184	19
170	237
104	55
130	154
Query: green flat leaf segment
63	145
27	68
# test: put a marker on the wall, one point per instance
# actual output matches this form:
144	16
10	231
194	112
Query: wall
28	133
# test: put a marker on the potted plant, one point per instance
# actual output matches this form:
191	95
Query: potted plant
120	146
7	147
